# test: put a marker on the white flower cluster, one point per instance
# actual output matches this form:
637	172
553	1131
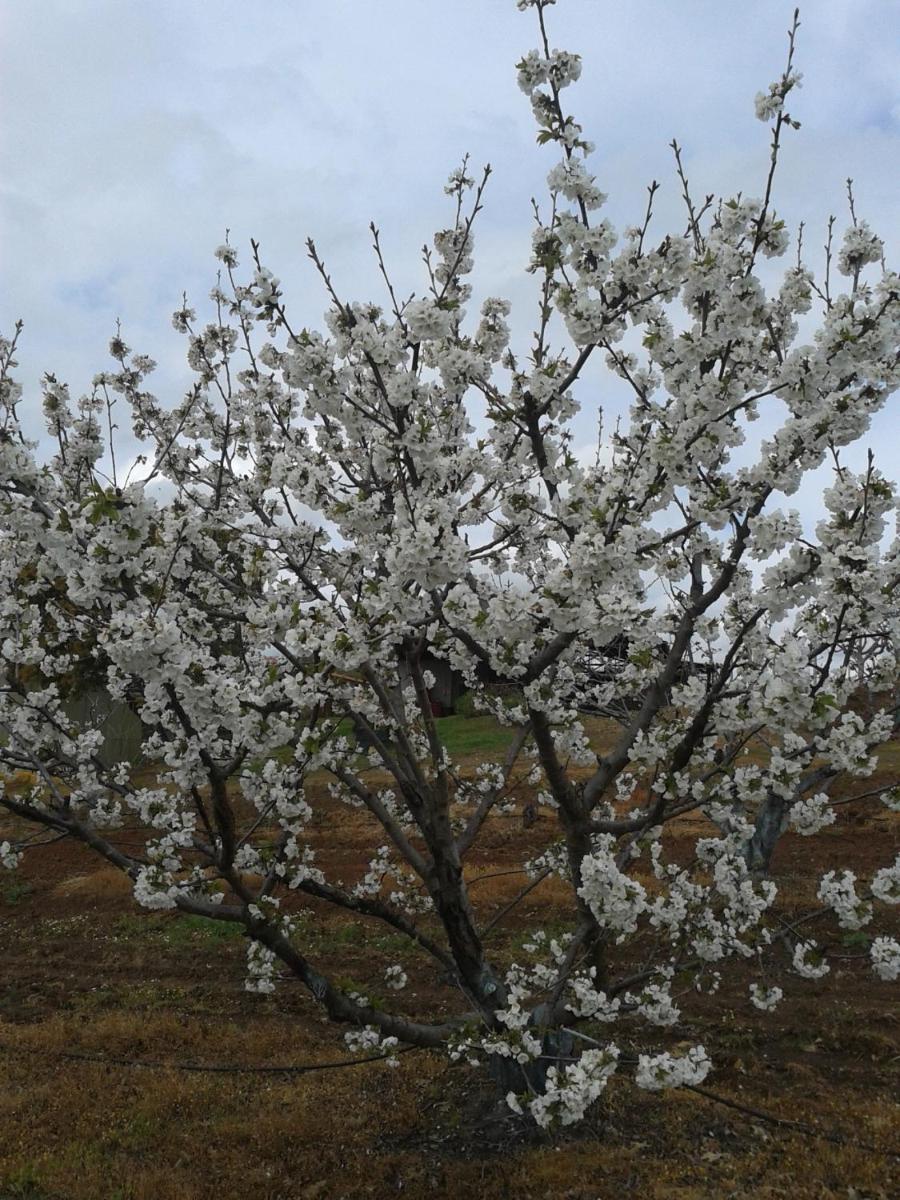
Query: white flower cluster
765	998
839	893
573	180
9	856
560	69
227	254
656	1072
850	740
570	1090
860	247
380	865
396	978
655	1005
553	859
885	883
427	321
769	104
812	815
260	969
587	1001
154	888
809	961
885	955
368	1040
616	900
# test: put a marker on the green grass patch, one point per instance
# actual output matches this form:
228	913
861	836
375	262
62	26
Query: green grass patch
24	1183
346	934
462	735
12	892
473	735
188	930
176	932
331	938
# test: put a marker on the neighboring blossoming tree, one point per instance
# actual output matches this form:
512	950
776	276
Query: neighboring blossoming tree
350	506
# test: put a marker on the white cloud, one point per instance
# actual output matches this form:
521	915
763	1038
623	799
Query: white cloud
135	133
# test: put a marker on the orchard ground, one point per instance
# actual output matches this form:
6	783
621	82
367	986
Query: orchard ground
87	974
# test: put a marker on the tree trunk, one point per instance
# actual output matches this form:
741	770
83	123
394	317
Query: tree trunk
557	1048
770	821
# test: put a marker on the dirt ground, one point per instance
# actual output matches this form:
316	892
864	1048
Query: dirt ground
86	975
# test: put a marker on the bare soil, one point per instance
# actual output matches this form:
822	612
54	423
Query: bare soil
86	975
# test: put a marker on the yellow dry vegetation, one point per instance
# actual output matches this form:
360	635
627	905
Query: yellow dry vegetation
85	973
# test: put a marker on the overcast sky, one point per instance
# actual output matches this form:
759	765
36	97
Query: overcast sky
135	131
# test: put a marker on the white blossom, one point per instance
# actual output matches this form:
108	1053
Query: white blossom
426	321
885	955
9	856
656	1072
764	997
572	1089
332	523
886	883
838	891
860	247
809	962
812	815
396	978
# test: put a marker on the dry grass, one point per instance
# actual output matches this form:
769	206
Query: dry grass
85	972
105	884
80	1131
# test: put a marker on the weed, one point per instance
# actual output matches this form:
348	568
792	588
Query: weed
14	890
353	987
138	997
394	943
350	934
135	1133
129	928
188	930
175	932
23	1183
471	735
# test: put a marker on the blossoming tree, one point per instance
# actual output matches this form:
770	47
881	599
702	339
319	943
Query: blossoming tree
347	507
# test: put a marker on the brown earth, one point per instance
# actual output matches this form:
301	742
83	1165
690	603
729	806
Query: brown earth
87	973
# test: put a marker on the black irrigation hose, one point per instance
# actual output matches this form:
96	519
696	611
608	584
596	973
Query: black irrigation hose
308	1068
786	1123
202	1068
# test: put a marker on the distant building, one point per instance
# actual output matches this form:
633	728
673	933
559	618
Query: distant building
449	685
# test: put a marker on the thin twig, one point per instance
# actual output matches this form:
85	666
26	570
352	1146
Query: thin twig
495	920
